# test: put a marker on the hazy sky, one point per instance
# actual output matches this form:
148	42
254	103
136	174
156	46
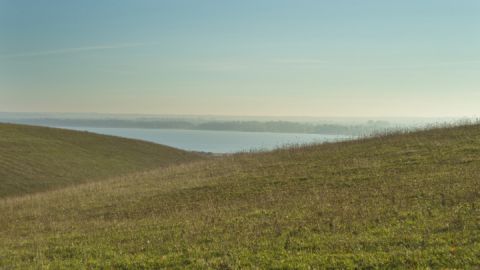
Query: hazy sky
248	57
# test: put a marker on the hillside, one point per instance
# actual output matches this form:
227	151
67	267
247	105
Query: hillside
36	159
396	201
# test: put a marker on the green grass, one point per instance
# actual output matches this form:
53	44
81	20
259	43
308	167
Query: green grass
34	159
397	201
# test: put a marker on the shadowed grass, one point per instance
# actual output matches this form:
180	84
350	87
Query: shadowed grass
405	200
34	159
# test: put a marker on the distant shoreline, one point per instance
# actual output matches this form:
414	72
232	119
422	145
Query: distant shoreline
245	126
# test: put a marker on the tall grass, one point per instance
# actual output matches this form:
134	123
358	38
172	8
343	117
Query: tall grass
404	200
35	159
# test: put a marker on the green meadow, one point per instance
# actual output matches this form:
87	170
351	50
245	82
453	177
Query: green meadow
34	159
75	200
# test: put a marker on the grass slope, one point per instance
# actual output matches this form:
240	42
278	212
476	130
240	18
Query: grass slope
36	159
398	201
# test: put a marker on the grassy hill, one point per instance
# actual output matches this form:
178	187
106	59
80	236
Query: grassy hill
398	201
36	159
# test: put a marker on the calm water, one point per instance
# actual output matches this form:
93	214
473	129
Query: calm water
214	141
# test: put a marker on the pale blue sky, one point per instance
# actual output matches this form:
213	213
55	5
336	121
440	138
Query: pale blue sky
249	57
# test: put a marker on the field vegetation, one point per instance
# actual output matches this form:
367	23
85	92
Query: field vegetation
404	200
34	159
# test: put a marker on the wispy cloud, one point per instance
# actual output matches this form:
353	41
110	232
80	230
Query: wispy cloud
72	50
219	65
471	64
248	64
117	71
300	61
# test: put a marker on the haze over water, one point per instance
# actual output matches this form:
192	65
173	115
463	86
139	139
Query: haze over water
215	141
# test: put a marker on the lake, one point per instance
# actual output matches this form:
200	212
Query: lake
214	141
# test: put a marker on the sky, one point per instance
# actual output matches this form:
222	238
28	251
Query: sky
342	58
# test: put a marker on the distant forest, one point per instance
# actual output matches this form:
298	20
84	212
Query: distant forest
250	126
